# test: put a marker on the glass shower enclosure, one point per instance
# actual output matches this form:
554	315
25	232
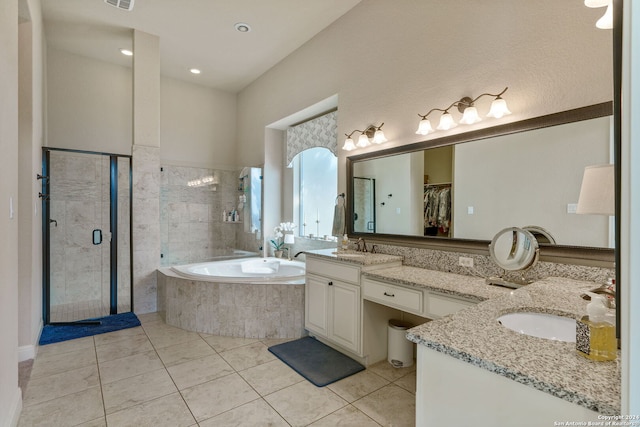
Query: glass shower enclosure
87	252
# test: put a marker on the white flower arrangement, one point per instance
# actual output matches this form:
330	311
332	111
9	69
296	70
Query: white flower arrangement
278	234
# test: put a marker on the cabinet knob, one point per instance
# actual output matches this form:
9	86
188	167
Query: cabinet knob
389	295
330	283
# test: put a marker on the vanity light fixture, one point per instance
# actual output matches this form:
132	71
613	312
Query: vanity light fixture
606	21
372	134
126	52
194	71
469	112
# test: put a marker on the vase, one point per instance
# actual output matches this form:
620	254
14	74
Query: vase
278	254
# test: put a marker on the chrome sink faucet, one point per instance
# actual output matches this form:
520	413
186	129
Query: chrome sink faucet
607	291
362	242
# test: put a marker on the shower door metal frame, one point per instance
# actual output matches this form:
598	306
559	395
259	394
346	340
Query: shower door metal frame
113	225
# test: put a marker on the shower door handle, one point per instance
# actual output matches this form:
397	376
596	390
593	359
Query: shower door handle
97	236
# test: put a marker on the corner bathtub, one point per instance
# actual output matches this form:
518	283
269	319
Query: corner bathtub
247	297
245	270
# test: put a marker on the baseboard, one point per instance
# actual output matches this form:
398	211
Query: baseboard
26	352
14	410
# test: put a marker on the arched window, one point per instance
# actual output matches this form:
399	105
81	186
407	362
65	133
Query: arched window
311	152
315	182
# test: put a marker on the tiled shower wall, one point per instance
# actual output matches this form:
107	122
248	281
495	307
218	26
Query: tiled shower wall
192	201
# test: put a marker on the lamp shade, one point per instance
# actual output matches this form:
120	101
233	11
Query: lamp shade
597	193
606	21
289	239
596	3
424	127
378	137
363	141
446	122
498	109
470	116
348	145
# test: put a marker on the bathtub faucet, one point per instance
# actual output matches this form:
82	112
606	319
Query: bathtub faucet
296	255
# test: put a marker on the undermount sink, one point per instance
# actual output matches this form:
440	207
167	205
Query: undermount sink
541	325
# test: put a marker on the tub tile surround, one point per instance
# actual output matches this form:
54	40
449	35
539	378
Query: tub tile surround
191	225
231	309
247	385
474	336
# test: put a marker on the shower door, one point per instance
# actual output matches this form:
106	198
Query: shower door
86	235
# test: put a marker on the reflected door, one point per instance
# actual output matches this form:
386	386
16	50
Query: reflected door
86	214
364	201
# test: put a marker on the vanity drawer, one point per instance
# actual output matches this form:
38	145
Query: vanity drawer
405	299
335	270
440	305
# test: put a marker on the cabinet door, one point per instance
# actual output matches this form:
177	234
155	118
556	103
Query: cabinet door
344	306
316	299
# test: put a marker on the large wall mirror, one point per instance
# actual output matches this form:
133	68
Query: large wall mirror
456	192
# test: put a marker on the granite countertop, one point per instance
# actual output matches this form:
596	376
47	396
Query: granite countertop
473	335
468	287
361	258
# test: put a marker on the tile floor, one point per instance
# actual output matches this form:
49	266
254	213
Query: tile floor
158	375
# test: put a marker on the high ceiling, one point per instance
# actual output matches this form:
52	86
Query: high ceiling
193	33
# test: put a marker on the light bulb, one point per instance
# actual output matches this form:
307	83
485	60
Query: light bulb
446	122
498	108
606	22
470	116
378	137
363	141
424	127
348	145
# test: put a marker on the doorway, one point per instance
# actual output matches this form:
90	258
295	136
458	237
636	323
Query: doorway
87	228
364	205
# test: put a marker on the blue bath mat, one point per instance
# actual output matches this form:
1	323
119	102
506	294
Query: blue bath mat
317	362
115	322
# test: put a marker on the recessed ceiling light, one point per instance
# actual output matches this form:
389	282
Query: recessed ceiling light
194	71
242	27
126	52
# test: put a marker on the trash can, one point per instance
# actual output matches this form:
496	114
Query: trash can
399	348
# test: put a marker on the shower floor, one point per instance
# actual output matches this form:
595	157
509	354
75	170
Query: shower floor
82	310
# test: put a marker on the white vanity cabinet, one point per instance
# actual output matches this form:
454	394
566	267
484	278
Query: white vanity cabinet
334	311
333	308
421	302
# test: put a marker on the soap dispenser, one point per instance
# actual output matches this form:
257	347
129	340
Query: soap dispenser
595	336
345	242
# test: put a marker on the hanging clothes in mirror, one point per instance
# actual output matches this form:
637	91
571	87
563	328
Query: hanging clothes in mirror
437	209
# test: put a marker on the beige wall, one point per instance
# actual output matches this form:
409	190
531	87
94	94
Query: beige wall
389	61
197	125
89	104
31	136
10	398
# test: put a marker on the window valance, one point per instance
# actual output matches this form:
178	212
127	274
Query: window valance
319	132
